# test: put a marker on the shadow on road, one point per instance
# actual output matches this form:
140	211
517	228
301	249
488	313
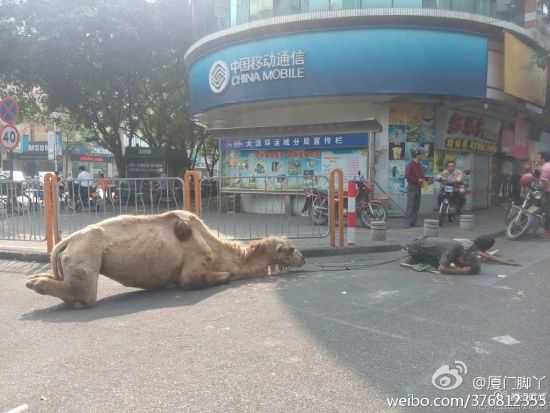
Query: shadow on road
132	302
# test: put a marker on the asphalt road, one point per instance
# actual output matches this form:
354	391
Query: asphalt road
323	340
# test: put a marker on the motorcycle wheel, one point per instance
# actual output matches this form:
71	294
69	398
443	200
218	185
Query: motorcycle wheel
378	214
519	226
318	211
443	211
510	213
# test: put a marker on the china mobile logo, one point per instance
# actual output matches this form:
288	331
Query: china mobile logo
446	378
219	76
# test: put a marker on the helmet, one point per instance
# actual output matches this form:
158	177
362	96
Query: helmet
526	180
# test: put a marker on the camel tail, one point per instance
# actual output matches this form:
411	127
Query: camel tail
55	259
182	228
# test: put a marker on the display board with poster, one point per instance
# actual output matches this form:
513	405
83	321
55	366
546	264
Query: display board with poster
472	132
288	169
410	127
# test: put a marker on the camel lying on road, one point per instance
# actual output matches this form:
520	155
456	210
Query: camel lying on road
174	249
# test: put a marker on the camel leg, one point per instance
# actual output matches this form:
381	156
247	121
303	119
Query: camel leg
197	275
211	278
255	274
49	286
195	272
80	265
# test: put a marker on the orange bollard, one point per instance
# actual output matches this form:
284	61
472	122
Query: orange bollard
197	191
48	210
332	207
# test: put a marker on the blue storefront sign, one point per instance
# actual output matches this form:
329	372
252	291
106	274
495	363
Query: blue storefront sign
350	140
83	150
342	62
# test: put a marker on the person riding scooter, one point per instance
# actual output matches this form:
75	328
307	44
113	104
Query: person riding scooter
452	176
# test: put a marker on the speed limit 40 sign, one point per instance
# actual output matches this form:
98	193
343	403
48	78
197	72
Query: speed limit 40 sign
9	137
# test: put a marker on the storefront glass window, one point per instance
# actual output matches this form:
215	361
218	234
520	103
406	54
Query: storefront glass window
285	7
213	15
315	5
510	10
222	14
344	4
413	4
375	4
261	9
437	4
464	5
486	7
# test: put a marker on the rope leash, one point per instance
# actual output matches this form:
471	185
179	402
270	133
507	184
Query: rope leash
356	265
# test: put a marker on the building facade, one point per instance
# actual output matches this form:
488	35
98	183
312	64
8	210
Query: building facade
293	88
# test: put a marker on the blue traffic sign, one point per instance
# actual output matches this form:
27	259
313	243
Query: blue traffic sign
9	110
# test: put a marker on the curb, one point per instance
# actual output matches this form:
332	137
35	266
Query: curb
19	255
350	249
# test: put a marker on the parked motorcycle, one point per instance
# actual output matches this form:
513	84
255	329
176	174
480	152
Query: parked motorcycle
449	204
317	204
82	197
529	215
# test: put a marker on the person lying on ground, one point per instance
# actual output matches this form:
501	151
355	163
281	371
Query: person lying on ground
446	255
481	245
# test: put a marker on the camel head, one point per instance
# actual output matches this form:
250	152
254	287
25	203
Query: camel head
281	251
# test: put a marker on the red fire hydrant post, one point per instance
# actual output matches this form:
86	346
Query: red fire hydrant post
352	216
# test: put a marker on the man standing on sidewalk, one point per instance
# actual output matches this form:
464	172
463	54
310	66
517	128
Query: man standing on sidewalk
414	174
544	161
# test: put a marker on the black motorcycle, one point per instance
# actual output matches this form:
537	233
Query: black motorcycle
450	203
367	210
528	215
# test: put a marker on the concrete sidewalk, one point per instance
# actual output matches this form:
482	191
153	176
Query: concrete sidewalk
488	221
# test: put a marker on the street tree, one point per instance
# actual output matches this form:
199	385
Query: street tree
117	67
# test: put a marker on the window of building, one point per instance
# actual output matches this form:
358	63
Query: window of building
464	5
315	5
486	7
344	4
285	7
412	4
375	4
221	13
240	12
261	9
437	4
510	10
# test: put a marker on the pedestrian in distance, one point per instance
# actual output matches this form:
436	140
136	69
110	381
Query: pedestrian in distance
414	174
544	162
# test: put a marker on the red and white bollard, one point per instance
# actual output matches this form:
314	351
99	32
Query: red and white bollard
352	216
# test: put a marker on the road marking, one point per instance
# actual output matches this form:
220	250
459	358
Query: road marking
382	294
480	348
358	326
509	340
19	409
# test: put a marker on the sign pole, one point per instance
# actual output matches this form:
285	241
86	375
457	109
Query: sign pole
10	160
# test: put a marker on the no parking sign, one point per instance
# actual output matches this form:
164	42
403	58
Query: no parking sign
9	110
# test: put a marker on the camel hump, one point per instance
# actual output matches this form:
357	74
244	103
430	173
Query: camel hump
182	228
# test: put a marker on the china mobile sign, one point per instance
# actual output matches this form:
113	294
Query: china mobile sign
254	69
